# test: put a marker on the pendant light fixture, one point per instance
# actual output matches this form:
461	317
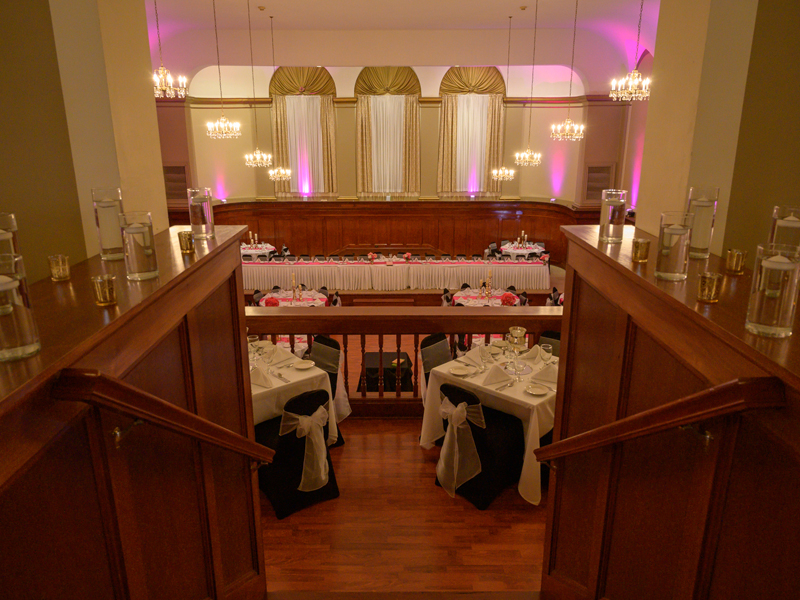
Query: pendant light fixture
632	86
569	130
162	80
278	173
222	128
528	158
503	174
257	158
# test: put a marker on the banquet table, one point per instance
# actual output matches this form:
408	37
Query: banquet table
522	250
268	403
535	412
310	298
470	297
399	275
256	249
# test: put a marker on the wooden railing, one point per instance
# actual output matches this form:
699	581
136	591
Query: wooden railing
100	390
726	399
406	326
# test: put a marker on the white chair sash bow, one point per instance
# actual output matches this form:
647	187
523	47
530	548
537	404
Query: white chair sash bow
315	460
459	461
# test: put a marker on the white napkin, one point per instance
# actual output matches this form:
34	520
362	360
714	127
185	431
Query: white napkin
532	355
259	376
549	374
473	357
496	376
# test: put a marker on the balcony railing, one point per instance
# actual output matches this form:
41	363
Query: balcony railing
396	330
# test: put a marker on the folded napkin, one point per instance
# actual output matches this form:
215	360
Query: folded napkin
496	376
548	374
259	376
473	357
532	355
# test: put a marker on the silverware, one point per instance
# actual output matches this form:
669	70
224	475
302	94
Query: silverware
283	361
504	386
278	376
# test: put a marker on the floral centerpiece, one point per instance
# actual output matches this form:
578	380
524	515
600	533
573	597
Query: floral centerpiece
371	257
407	256
508	299
271	302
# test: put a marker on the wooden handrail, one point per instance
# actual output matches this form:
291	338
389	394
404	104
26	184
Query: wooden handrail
373	320
92	387
726	399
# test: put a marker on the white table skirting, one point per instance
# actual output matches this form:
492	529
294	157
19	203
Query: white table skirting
400	276
537	414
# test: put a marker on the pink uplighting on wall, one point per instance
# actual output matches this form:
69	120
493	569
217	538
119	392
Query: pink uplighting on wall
219	188
473	186
303	173
558	168
636	170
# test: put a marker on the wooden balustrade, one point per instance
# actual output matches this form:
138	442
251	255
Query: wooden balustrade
407	326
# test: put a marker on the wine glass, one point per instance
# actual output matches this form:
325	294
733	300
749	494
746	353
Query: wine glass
519	368
486	357
546	351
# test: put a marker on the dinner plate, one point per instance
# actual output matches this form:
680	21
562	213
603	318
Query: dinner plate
495	350
525	371
536	390
304	364
462	371
500	343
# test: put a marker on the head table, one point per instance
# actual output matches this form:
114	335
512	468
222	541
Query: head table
397	276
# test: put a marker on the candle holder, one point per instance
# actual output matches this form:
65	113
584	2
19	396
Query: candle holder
59	267
186	241
641	250
104	292
708	287
734	261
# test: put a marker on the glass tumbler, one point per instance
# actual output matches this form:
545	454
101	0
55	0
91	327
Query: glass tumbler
672	260
702	203
773	292
107	208
138	241
19	337
612	216
201	213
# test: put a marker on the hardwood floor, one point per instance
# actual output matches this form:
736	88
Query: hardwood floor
393	529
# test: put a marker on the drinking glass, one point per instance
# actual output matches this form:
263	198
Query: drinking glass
107	208
702	202
773	293
8	234
785	227
19	337
519	367
672	261
201	213
486	356
59	267
612	216
139	245
104	292
546	352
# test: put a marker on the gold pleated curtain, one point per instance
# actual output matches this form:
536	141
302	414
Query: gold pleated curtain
377	81
294	81
470	80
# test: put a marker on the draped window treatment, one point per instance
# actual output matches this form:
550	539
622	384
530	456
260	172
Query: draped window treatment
387	145
304	131
471	126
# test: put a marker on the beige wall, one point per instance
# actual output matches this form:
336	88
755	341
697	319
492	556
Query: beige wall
766	169
631	174
37	172
346	149
429	149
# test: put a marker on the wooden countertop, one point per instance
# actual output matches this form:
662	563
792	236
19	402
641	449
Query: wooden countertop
69	321
725	319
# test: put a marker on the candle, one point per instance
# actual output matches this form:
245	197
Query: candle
256	238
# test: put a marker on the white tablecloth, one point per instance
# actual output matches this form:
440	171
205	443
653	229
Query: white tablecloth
536	412
255	250
422	275
268	403
310	298
510	250
472	298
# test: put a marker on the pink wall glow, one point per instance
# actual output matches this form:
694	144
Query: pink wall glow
220	193
303	173
558	167
636	169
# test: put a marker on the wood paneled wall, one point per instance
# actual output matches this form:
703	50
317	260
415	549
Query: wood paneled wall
454	227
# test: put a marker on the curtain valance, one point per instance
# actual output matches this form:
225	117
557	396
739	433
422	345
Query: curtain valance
472	80
294	81
377	81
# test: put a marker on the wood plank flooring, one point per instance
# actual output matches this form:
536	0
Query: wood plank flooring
393	529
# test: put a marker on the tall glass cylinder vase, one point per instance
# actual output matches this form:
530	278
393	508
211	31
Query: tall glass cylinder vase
612	216
785	226
702	203
672	260
139	244
19	337
774	289
107	208
201	213
8	234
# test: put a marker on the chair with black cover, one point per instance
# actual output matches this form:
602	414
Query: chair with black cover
461	257
319	258
326	354
435	351
523	298
289	481
277	258
276	289
447	297
305	258
290	258
415	257
429	256
335	300
262	258
511	289
363	256
465	286
334	257
285	250
553	338
498	440
323	290
445	257
257	295
477	257
504	243
247	258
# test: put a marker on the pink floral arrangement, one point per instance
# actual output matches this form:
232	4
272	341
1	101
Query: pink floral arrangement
372	256
508	299
271	302
407	256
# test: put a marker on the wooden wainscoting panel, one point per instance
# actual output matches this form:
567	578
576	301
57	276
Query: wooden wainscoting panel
52	543
758	553
333	234
651	495
656	376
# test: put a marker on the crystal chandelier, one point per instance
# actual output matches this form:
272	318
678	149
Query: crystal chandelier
528	158
280	174
162	80
222	129
632	86
503	174
257	158
569	130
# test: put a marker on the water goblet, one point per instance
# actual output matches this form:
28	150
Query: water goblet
546	351
486	357
519	368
